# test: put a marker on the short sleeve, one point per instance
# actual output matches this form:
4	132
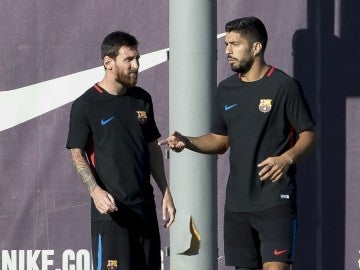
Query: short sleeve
151	132
297	109
218	125
79	128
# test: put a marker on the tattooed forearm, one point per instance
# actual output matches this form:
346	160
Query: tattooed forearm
83	169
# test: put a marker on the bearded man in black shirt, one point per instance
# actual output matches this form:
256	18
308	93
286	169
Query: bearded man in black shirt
261	116
113	143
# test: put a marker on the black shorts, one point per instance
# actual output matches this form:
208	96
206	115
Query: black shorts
254	238
129	244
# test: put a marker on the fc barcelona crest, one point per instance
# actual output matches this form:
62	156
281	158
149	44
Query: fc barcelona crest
265	105
112	264
142	116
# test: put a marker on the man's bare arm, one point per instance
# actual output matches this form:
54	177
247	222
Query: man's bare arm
303	146
103	200
158	174
206	144
82	168
273	168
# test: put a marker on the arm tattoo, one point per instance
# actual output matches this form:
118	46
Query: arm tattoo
83	169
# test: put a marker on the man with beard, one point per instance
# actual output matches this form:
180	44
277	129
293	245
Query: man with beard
262	117
113	143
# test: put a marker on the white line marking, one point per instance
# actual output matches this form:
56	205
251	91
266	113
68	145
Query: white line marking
25	103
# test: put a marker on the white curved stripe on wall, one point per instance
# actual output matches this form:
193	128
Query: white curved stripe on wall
25	103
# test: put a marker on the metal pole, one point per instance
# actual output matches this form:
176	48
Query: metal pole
318	88
192	78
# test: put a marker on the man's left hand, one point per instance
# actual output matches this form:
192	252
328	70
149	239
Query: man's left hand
168	209
273	168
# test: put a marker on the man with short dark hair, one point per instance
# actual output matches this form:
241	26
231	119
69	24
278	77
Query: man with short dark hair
113	142
261	116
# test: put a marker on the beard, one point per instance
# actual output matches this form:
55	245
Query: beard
128	80
244	66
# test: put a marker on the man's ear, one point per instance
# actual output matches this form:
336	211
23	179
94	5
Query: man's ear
257	47
108	62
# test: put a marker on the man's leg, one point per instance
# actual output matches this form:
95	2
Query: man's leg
241	242
276	266
277	227
269	266
242	268
111	246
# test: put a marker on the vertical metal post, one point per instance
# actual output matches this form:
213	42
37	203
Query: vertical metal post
318	113
192	77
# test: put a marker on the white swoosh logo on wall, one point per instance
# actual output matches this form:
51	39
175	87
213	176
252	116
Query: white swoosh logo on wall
25	103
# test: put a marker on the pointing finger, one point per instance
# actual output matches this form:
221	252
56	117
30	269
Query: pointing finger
163	142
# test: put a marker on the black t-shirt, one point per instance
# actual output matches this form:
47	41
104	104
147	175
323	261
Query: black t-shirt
262	119
115	130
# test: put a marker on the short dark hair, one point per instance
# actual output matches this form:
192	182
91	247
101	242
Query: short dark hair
250	27
114	41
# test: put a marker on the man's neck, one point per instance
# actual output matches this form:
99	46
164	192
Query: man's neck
256	72
112	87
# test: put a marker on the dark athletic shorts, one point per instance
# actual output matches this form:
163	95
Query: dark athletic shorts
254	238
129	244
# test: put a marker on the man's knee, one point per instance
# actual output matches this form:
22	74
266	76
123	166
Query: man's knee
276	266
242	268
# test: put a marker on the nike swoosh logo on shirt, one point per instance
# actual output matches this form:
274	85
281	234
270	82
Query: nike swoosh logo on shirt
279	252
229	107
104	122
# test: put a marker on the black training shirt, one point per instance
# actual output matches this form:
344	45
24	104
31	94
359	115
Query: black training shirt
115	130
261	119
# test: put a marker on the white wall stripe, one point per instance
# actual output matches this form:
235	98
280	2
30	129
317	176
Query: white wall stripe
25	103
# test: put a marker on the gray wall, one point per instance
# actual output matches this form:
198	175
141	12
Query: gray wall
42	204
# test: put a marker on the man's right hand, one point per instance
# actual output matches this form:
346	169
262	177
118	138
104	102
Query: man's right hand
103	200
176	141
